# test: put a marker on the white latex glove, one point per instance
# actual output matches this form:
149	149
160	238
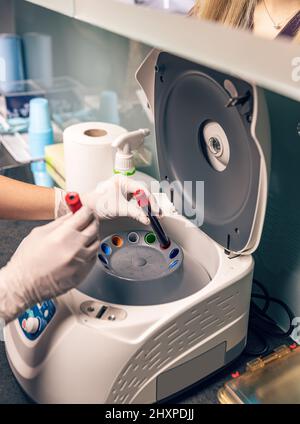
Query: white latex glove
51	260
113	198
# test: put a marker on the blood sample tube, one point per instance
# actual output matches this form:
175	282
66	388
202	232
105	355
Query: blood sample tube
144	203
73	201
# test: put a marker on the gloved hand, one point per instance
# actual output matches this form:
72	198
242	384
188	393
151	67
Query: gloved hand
51	260
113	198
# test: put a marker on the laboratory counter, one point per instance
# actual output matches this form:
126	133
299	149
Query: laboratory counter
12	233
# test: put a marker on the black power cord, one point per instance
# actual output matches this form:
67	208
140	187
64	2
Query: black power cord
261	324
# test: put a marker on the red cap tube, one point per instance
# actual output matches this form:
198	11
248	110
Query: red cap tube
141	198
73	201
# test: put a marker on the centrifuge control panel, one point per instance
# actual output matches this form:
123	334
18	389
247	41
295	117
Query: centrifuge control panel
34	321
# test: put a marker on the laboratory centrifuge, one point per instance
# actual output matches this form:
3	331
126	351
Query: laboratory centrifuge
146	323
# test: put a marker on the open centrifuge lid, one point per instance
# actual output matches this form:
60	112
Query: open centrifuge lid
211	127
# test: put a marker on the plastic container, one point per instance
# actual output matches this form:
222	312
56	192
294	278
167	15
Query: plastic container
273	379
11	61
40	135
15	103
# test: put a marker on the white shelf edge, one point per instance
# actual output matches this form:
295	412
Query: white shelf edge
65	7
265	62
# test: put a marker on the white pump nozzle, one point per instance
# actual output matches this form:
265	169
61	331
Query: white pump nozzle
125	144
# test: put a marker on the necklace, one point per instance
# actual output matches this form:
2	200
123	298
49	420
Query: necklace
277	25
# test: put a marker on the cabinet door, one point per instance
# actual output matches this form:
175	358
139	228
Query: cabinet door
63	6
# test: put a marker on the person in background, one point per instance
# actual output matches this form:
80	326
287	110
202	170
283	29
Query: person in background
267	18
56	257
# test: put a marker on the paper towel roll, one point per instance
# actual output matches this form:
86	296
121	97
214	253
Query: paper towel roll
89	155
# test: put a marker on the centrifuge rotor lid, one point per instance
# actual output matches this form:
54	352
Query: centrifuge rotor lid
206	125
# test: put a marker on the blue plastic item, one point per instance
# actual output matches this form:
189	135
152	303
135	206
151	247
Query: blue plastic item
40	135
38	57
11	62
19	125
42	178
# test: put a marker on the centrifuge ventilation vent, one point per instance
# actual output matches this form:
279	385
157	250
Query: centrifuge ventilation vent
184	333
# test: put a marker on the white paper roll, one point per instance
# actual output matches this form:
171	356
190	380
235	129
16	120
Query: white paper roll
89	155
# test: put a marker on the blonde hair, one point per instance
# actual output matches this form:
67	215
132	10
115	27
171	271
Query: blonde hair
234	13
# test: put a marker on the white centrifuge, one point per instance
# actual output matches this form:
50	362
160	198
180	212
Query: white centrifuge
148	323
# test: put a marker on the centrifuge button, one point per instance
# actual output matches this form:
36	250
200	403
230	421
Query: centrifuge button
90	309
112	318
31	325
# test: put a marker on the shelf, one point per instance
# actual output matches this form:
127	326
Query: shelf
65	7
265	62
268	63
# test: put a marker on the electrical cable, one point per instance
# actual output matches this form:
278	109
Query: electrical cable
261	324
